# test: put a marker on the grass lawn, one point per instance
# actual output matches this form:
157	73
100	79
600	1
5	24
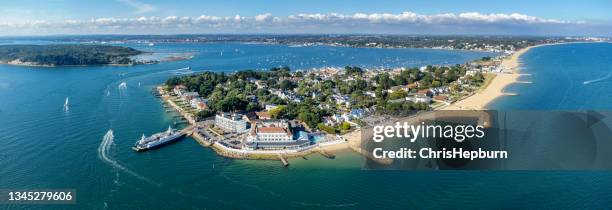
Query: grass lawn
488	79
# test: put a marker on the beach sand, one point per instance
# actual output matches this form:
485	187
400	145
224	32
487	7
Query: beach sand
509	75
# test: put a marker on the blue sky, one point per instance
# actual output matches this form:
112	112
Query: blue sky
530	17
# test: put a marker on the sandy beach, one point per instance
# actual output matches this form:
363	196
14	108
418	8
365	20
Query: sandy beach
509	75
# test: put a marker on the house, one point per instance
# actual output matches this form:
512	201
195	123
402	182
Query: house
252	98
179	89
419	98
263	115
337	118
439	90
199	104
328	121
346	117
357	113
187	96
270	107
426	92
260	84
370	93
342	100
471	72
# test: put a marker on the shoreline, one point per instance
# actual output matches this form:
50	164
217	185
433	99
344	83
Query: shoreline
28	64
509	75
326	149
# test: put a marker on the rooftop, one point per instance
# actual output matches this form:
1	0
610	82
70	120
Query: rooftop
271	130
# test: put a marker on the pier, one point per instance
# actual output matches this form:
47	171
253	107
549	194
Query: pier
283	160
326	154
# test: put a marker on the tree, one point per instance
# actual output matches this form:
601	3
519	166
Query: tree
204	114
326	128
436	83
345	126
277	112
252	106
398	94
287	85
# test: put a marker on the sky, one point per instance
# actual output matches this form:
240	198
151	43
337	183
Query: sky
492	17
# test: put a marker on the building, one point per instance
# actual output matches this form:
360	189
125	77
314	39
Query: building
426	92
370	93
357	113
270	107
199	104
419	98
179	89
231	122
187	96
274	135
263	115
277	134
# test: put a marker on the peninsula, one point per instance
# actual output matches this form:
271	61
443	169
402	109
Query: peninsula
67	55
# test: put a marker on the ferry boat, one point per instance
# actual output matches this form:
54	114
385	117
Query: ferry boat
157	140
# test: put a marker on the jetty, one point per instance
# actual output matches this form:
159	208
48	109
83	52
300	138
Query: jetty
326	154
283	160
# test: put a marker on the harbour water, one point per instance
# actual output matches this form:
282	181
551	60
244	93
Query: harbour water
45	146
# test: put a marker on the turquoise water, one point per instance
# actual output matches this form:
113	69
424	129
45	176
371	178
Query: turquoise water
558	74
44	146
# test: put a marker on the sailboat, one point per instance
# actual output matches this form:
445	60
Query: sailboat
66	104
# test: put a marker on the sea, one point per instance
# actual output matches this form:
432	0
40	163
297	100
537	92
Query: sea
86	145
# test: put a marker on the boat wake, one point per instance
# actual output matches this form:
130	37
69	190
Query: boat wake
104	154
181	71
598	80
123	86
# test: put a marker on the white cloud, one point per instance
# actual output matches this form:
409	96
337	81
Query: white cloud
406	22
263	17
139	6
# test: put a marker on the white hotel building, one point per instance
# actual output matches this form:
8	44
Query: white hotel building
273	137
231	122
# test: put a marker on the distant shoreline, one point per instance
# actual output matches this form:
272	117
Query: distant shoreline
29	64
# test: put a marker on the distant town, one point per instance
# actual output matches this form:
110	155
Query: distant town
502	44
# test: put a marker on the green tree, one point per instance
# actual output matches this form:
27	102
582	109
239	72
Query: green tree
345	126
